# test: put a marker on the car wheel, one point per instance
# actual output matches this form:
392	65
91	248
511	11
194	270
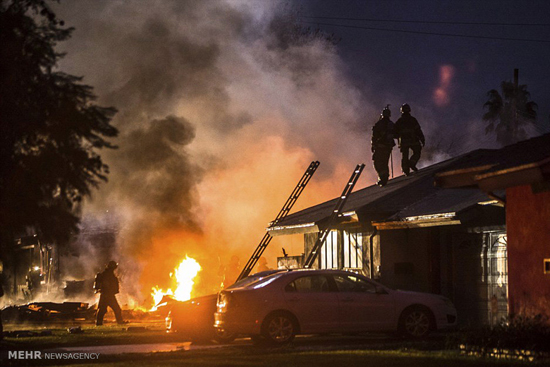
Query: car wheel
416	322
279	329
223	337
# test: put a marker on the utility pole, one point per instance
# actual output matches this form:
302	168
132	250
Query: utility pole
515	106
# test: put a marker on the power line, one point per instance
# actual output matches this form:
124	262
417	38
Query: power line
429	21
428	33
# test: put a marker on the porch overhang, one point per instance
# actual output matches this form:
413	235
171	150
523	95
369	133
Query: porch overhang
421	221
311	227
293	229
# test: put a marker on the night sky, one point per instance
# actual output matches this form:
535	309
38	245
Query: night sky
401	66
219	116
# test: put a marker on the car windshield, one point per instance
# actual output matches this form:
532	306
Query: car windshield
253	279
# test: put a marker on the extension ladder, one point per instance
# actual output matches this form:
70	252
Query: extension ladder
335	214
282	214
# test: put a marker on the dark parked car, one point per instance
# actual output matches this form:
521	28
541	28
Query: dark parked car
195	318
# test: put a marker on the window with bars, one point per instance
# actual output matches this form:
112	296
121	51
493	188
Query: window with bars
329	251
342	249
496	273
353	250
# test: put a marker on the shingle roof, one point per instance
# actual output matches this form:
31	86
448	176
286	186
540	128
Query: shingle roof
417	195
525	152
402	197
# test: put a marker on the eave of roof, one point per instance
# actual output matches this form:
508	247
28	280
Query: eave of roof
523	163
441	219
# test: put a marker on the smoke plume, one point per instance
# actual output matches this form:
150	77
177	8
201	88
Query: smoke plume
222	105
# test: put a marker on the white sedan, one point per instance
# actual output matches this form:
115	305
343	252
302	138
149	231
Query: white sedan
278	306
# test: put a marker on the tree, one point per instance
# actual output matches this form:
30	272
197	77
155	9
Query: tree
509	113
50	128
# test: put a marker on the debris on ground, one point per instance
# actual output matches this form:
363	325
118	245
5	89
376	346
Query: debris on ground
26	333
48	311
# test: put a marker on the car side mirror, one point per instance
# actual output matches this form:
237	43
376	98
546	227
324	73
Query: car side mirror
380	290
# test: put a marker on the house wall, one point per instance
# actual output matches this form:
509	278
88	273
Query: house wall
528	229
440	260
405	260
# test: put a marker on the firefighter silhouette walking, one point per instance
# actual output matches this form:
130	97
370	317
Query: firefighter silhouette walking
382	143
106	283
410	138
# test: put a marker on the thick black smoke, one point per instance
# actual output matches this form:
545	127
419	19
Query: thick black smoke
222	105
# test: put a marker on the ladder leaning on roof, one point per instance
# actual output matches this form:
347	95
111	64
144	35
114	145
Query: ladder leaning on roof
282	214
335	214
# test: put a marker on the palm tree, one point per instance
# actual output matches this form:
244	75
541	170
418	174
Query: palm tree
509	113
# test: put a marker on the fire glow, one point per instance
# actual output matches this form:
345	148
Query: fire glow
184	276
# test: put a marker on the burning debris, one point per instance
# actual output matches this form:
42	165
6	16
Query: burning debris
183	276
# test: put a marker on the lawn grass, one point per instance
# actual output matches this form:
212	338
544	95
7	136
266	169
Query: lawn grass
317	352
251	356
110	334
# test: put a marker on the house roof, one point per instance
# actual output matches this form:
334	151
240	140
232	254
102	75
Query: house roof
402	199
526	162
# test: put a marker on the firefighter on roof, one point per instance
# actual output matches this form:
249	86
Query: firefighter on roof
410	137
382	144
106	283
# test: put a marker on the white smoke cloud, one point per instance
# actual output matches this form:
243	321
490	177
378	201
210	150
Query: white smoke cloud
220	112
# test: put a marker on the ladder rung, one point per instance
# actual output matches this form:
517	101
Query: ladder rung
282	213
339	205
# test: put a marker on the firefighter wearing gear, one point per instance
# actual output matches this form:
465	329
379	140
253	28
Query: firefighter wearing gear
106	283
382	143
410	137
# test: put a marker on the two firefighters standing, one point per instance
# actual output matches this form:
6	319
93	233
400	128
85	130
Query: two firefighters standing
409	135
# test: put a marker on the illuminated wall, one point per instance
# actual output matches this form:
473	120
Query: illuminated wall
528	227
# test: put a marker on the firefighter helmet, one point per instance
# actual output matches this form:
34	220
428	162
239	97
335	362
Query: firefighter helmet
405	108
112	265
386	111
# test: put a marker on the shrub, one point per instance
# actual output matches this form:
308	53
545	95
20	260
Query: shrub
518	336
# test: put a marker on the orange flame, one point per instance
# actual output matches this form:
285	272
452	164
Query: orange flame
184	276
